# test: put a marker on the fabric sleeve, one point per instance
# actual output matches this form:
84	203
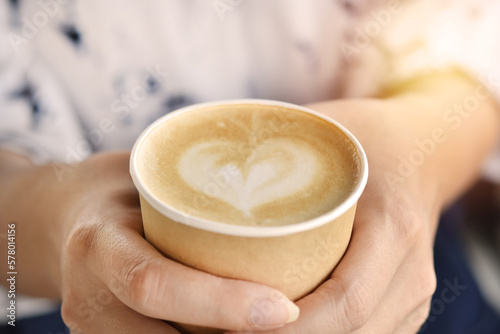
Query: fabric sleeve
401	40
37	118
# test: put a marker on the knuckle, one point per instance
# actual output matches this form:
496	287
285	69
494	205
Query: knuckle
429	284
356	305
262	308
404	220
71	317
418	317
407	227
422	314
224	292
67	313
424	283
141	281
83	241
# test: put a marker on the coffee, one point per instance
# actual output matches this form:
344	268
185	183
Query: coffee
249	164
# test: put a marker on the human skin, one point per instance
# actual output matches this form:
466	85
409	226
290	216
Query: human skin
81	239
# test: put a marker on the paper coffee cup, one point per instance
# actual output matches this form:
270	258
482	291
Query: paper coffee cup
294	259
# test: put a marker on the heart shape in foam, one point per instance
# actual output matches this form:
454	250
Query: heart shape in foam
275	169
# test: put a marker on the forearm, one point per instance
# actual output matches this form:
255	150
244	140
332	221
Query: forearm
432	135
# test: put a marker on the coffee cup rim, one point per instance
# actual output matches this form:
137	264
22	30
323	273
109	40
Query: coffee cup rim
245	230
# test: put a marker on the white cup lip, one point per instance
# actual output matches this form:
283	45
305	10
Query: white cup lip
241	230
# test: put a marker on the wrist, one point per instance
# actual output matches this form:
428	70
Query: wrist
28	201
463	125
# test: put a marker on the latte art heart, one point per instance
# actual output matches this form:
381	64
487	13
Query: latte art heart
275	169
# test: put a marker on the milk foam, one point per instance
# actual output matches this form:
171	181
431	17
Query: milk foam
278	168
249	164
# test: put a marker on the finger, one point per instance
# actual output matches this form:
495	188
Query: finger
406	304
111	318
158	287
90	307
348	299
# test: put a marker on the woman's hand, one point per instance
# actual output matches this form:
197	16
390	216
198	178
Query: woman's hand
418	163
84	233
386	279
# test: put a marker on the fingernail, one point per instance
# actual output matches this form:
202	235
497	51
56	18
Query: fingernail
273	313
293	312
